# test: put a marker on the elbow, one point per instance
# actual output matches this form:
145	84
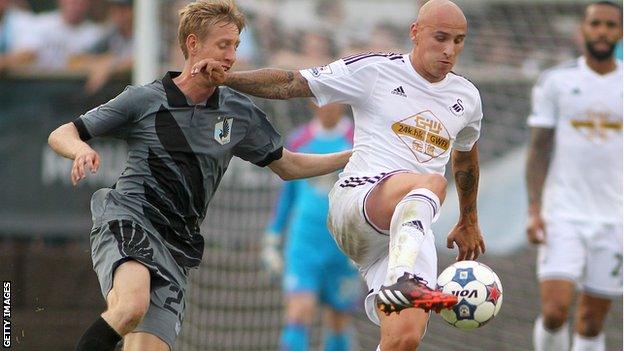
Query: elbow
286	167
59	134
52	138
286	175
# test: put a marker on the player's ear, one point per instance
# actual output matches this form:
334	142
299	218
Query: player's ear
192	44
413	31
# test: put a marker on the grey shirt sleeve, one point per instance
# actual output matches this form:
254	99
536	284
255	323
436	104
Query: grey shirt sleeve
262	144
111	118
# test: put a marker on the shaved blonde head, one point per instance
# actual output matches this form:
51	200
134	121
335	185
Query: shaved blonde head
438	35
441	13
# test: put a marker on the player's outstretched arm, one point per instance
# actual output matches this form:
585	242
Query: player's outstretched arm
294	165
538	161
66	142
270	83
466	234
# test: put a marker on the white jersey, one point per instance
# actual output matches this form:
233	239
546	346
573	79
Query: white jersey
584	180
402	121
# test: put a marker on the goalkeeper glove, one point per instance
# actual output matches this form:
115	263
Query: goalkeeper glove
272	256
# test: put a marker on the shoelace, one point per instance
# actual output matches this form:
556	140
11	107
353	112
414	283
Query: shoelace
417	279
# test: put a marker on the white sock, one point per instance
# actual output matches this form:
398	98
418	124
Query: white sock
584	343
550	340
411	220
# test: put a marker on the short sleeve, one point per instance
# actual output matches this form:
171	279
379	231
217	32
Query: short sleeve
111	118
262	143
544	103
341	83
468	136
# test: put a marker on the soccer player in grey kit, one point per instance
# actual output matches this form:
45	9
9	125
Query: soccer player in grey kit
182	132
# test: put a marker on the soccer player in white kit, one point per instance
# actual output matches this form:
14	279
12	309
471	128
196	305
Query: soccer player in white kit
575	157
412	114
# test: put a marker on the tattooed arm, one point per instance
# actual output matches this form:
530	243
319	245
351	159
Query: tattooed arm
538	161
466	173
270	83
466	234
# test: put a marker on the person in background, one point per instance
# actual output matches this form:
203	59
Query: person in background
316	271
618	50
113	53
574	185
62	34
310	49
17	37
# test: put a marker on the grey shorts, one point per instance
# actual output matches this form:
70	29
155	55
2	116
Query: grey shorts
118	241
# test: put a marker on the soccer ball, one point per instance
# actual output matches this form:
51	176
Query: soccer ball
479	291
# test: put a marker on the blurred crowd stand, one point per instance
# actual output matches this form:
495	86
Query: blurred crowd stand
66	42
15	42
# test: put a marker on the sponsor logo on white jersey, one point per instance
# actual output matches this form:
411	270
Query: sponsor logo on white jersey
399	91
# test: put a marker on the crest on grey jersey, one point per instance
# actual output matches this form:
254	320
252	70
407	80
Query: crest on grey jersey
223	130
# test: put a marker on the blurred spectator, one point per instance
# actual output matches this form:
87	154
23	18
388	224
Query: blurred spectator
64	33
332	18
174	54
16	37
312	48
385	38
248	53
113	54
119	36
270	34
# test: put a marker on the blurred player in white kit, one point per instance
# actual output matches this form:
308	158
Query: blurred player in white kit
575	158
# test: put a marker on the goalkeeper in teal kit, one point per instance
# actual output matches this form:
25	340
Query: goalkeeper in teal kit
315	270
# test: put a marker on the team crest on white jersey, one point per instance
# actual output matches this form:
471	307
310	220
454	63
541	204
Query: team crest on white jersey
424	134
223	130
317	71
457	108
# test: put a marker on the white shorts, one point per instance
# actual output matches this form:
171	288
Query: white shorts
366	245
589	254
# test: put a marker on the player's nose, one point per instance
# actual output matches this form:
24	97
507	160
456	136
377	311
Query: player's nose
230	56
448	51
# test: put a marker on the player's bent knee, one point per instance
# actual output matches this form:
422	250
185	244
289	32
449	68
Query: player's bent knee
336	321
433	182
298	317
130	312
589	330
300	311
589	323
554	315
437	183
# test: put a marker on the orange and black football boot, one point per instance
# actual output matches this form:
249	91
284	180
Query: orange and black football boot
412	291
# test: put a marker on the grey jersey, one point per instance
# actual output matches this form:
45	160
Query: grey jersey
177	155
